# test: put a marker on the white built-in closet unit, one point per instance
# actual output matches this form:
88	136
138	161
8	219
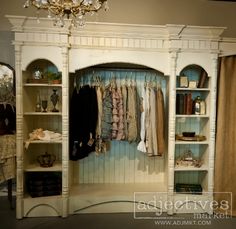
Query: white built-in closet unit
119	179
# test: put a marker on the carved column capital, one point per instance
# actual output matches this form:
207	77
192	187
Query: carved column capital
64	50
214	56
174	53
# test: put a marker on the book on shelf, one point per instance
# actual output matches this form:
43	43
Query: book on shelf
179	104
202	79
184	104
189	104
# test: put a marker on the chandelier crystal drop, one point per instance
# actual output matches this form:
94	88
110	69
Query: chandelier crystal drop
75	10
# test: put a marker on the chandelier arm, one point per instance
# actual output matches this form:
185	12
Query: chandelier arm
54	10
85	8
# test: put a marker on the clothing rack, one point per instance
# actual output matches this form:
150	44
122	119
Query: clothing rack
124	163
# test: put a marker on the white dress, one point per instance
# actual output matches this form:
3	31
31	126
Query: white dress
142	146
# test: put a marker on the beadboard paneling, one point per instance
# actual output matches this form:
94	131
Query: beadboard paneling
122	164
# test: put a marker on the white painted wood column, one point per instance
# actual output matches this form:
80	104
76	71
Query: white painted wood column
213	97
171	132
19	134
65	131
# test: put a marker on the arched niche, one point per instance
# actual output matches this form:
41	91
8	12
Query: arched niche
121	70
196	74
41	69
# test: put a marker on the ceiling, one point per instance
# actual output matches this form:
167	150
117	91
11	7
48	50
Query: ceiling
154	12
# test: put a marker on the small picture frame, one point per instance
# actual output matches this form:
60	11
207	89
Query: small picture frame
183	81
192	84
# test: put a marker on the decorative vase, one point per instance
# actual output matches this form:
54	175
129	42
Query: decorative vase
38	103
44	105
37	74
54	98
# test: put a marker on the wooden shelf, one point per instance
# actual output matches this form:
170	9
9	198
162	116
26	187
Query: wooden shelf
192	89
45	142
190	168
191	142
43	113
191	116
41	85
57	167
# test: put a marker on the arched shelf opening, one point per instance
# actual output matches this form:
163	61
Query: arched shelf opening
193	76
41	71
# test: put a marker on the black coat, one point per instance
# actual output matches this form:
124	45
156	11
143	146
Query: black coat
83	122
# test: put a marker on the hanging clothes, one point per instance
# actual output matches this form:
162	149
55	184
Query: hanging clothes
83	122
131	114
141	146
106	124
160	111
99	93
147	118
124	96
152	122
115	117
119	116
120	109
137	112
152	147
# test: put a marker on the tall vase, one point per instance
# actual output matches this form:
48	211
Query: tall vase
38	103
54	98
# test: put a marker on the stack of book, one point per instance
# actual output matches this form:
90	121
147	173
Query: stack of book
189	188
184	104
44	184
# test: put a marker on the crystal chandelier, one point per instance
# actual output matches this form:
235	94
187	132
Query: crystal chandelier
75	10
